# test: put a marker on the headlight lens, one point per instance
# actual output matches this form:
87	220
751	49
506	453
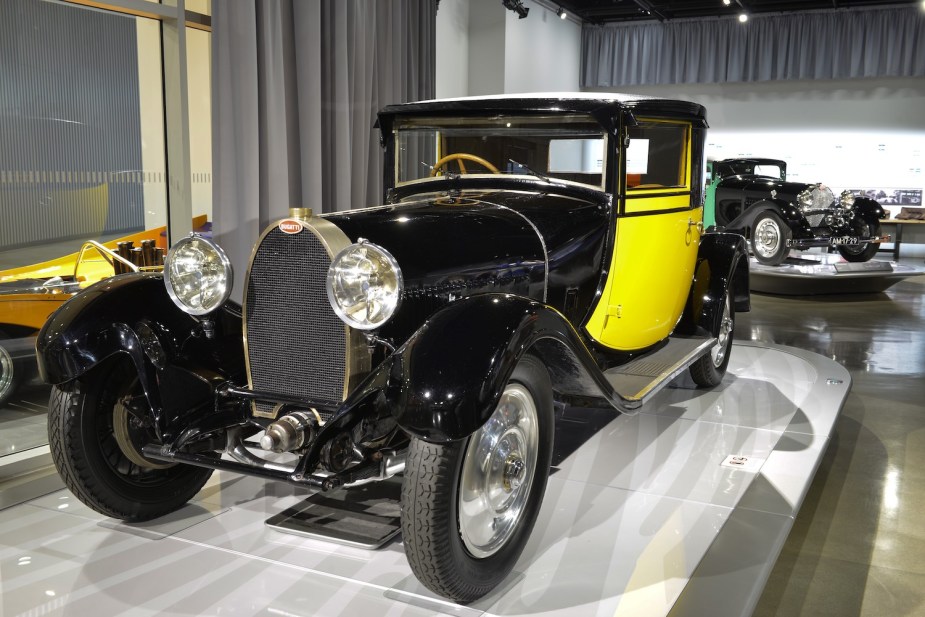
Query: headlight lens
816	197
364	285
846	199
198	275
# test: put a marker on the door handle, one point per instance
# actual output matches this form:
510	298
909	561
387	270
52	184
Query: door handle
698	225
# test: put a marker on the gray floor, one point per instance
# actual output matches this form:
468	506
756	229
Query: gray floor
858	545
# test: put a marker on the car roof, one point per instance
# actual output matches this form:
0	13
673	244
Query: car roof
600	104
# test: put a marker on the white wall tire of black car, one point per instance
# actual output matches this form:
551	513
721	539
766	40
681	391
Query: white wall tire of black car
450	545
88	431
770	238
862	252
709	369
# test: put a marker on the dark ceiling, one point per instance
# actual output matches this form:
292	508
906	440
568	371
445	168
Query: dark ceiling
601	11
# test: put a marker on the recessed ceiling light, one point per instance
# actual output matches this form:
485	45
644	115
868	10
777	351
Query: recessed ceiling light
743	17
727	2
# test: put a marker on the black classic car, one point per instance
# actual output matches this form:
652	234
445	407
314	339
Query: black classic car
532	251
752	196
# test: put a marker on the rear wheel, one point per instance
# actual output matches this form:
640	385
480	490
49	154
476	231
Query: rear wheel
468	506
96	439
770	239
862	252
710	368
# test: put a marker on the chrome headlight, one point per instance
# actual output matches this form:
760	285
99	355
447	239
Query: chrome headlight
815	197
364	285
198	275
846	199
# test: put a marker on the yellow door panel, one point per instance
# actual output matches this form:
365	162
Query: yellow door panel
650	274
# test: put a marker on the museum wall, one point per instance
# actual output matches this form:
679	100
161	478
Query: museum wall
485	49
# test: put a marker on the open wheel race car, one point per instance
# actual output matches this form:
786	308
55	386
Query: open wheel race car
531	251
753	196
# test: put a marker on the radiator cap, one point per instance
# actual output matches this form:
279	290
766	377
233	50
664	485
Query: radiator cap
300	213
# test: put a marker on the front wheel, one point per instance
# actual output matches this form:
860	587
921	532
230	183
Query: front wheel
862	252
710	368
770	239
96	434
468	506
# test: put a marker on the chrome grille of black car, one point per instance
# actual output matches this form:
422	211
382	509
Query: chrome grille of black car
815	220
296	345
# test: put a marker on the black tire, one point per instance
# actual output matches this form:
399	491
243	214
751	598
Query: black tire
10	375
440	544
770	238
709	369
107	476
862	252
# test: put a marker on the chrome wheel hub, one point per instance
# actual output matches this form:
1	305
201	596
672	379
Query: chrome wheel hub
6	371
497	473
767	238
719	351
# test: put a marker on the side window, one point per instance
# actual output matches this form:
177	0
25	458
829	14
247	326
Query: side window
657	156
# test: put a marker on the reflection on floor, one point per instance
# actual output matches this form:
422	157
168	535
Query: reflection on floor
22	419
857	546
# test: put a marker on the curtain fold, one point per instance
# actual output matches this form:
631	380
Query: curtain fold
824	45
296	86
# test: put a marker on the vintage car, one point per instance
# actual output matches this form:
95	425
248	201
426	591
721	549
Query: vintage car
752	196
532	251
29	294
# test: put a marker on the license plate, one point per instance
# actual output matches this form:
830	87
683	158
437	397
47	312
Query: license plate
845	240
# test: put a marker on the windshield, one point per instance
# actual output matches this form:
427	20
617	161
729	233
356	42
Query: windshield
563	147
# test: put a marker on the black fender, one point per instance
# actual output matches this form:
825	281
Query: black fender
868	209
445	381
178	366
789	213
722	261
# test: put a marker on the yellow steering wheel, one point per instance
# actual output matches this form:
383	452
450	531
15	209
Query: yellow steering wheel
459	157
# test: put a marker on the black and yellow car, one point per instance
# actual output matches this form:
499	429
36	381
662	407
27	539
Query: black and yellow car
530	251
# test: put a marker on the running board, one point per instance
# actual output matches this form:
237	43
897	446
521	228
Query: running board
639	380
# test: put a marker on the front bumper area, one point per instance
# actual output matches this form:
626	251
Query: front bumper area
332	459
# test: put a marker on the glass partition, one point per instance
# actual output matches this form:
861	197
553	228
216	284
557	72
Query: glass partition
83	176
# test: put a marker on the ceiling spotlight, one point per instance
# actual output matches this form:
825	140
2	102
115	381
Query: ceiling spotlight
517	6
727	2
743	17
561	13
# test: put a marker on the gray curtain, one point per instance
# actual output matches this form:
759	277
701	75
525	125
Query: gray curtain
296	86
824	45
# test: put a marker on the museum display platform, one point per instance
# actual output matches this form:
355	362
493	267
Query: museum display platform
680	510
806	274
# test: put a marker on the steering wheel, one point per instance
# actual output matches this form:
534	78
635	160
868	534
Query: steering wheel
459	157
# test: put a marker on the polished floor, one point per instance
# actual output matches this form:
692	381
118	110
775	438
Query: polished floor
857	546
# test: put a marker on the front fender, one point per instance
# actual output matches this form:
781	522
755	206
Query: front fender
131	314
446	380
868	209
789	213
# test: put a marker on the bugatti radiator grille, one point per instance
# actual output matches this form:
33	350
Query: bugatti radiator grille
815	220
296	345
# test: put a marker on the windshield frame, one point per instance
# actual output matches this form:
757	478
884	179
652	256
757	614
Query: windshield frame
534	127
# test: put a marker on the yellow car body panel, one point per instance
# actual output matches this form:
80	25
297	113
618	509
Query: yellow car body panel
637	309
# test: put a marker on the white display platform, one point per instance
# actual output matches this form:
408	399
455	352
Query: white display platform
807	274
641	517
